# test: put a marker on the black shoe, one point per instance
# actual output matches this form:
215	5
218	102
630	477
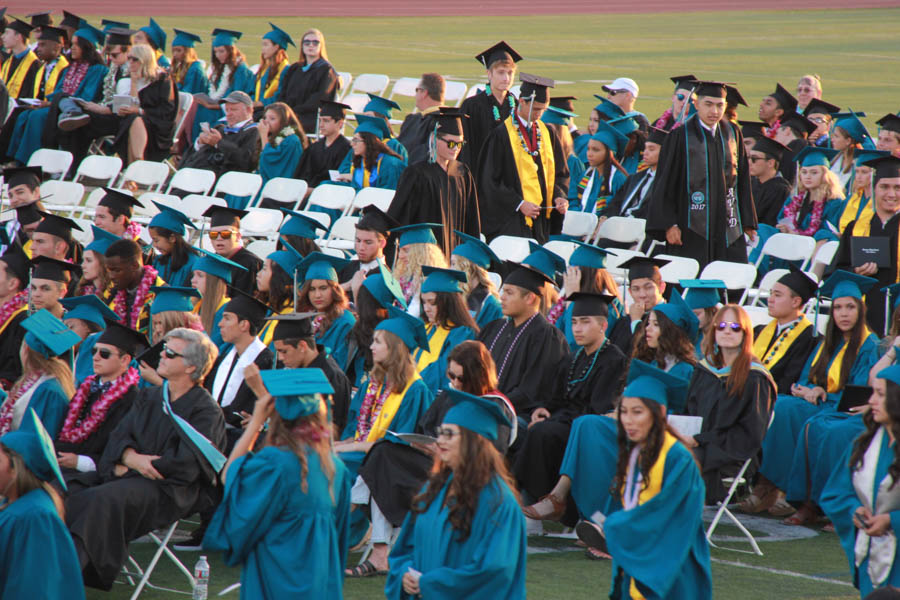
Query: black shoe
72	121
592	535
193	543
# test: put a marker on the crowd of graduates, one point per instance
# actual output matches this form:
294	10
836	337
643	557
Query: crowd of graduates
303	404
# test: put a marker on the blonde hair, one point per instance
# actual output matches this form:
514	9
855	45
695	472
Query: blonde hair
399	367
322	52
147	56
26	481
417	256
812	80
212	294
173	319
55	367
829	189
475	276
180	68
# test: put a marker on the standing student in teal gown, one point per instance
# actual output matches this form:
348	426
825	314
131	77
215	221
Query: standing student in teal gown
321	291
861	496
175	258
37	556
285	512
283	141
229	73
604	174
187	70
474	258
473	546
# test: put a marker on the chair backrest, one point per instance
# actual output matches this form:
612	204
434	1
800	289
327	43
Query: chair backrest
238	183
405	86
495	279
455	93
194	205
150	209
380	197
55	163
826	253
344	229
185	101
356	102
255	68
345	79
193	181
285	189
759	315
262	248
516	90
321	217
510	247
262	222
579	224
338	197
679	267
788	246
103	168
151	175
562	248
765	285
336	252
371	83
736	276
478	87
86	235
61	196
625	230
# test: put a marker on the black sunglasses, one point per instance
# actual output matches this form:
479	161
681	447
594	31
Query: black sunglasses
680	96
103	352
723	325
453	376
170	354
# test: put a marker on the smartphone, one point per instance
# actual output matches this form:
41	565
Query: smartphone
204	126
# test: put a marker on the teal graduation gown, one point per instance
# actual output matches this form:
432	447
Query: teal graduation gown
684	370
488	565
280	160
435	374
831	218
242	79
392	143
564	322
490	311
590	462
334	339
264	82
178	278
290	543
84	361
386	174
37	556
51	405
195	80
588	203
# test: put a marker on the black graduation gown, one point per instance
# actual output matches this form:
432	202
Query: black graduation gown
621	334
319	158
413	135
885	276
340	400
303	90
733	426
159	101
426	193
527	366
237	151
770	198
627	201
105	512
245	280
94	445
244	398
670	202
10	345
786	371
479	125
788	167
500	188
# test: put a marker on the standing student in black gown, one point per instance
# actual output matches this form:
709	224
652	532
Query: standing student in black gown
329	150
310	80
770	189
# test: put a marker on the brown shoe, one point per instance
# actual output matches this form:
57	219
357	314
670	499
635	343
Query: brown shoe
548	508
762	498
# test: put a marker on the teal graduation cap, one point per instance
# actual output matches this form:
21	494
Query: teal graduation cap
545	261
626	124
405	326
108	24
384	287
156	34
185	39
610	137
88	308
678	311
299	224
35	447
374	125
47	335
102	240
225	37
607	108
442	280
213	264
850	123
588	255
475	250
417	233
297	392
173	298
478	415
557	116
381	106
318	265
702	293
288	258
279	36
171	219
891	373
863	156
648	382
814	156
89	33
844	284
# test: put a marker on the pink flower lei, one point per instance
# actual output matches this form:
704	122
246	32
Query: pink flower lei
371	408
75	432
12	305
140	298
6	411
815	220
661	122
771	131
132	231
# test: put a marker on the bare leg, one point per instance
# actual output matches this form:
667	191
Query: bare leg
553	505
137	140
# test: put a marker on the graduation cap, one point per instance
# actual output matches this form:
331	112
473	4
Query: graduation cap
771	147
246	307
288	259
590	305
185	39
814	156
501	51
292	326
641	267
279	36
321	266
861	157
657	135
299	225
156	33
545	261
610	137
785	99
335	110
116	36
47	335
702	293
752	129
89	33
297	392
61	227
379	105
479	415
119	201
225	37
849	122
683	82
527	278
884	167
589	255
442	280
678	311
218	266
40	19
375	219
70	20
102	240
384	287
890	121
224	216
608	109
564	103
448	121
715	89
34	445
108	24
844	284
171	219
627	124
27	214
800	283
88	308
18	265
20	26
374	125
475	250
124	338
408	328
557	116
54	270
820	107
650	383
417	233
53	34
30	176
534	88
733	96
168	297
891	373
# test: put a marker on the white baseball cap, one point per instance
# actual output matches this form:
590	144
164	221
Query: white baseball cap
623	83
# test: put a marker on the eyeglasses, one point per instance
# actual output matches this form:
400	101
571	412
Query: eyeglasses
103	352
753	159
446	432
614	92
225	235
819	120
420	89
452	144
356	140
804	89
723	325
134	59
453	376
170	354
311	42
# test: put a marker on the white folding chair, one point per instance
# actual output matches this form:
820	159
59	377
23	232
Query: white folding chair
185	101
323	218
147	199
562	248
478	87
495	279
86	235
262	248
284	189
345	79
405	86
336	252
133	569
736	276
370	83
62	196
342	234
335	197
455	93
616	258
54	163
759	315
516	90
579	224
765	286
261	222
102	168
380	197
788	246
356	102
194	205
623	230
93	199
192	181
679	267
510	247
825	254
238	183
255	68
145	173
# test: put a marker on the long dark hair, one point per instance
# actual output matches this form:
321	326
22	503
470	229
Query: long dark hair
818	374
270	66
311	433
89	52
598	281
453	312
374	147
479	375
368	315
339	302
281	289
304	246
673	341
892	408
181	251
235	58
287	118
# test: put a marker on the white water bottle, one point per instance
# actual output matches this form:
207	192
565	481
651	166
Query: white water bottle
201	577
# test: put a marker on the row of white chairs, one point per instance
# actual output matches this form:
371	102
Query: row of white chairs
354	90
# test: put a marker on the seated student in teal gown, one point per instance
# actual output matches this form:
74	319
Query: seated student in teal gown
474	547
380	108
817	207
603	176
844	356
46	383
605	111
154	36
858	202
286	508
860	496
175	257
273	63
373	163
320	291
211	277
283	141
275	282
187	70
85	315
448	324
229	73
473	257
630	154
703	298
37	556
586	274
656	539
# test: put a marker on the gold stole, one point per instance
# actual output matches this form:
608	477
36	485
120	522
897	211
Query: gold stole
852	208
834	367
26	247
268	331
271	86
437	336
61	63
761	345
863	226
12	316
14	84
388	410
527	168
366	172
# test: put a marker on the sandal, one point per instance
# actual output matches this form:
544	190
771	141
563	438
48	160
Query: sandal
557	508
364	569
781	508
803	516
596	554
591	535
828	528
758	503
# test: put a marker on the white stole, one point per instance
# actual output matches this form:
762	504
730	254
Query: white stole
231	384
23	401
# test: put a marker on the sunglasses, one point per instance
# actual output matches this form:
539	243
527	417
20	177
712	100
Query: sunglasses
446	432
452	144
103	352
453	376
819	120
753	159
225	235
723	325
614	92
170	354
134	59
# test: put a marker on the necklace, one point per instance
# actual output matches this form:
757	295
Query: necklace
537	139
494	109
140	297
570	383
513	344
77	429
778	341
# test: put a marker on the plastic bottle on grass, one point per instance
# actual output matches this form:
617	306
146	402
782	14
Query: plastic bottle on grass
201	575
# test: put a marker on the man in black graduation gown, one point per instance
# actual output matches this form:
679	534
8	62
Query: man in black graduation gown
329	150
770	189
20	70
370	243
24	185
702	204
489	108
51	281
441	189
233	146
631	199
53	238
646	286
151	472
526	348
114	213
883	223
793	133
522	176
225	234
587	383
784	345
15	276
681	97
774	107
889	134
417	127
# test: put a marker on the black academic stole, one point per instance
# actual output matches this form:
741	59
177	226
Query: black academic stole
697	158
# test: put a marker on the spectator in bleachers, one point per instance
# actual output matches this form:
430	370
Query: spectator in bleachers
230	146
321	292
187	70
889	134
309	81
15	280
273	64
417	128
373	164
474	258
230	74
154	36
19	72
175	257
225	234
327	153
283	141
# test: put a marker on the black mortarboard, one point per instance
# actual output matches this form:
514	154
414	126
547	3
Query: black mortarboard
224	216
449	120
733	96
785	99
817	106
246	307
108	24
499	51
40	19
590	305
535	86
657	135
768	146
800	283
752	129
885	167
796	121
375	219
116	36
684	82
716	89
28	213
16	176
70	20
61	227
335	110
53	34
292	326
641	267
124	338
20	26
18	264
54	270
564	102
119	201
526	277
890	121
